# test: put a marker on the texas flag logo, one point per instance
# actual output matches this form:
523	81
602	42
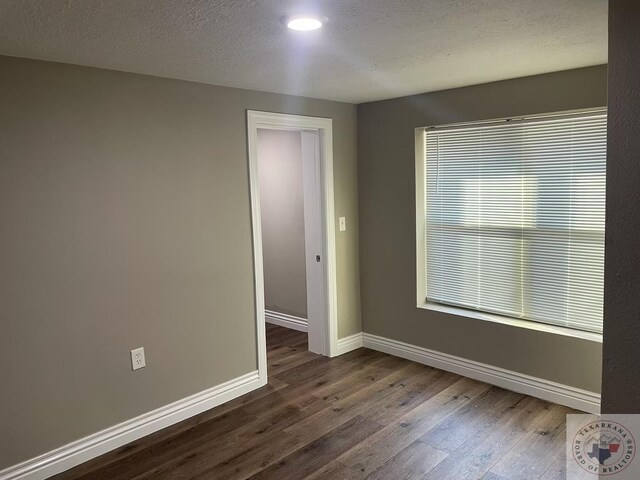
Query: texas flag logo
603	448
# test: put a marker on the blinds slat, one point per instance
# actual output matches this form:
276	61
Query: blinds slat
515	218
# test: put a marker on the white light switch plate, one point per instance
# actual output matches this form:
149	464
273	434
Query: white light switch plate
137	358
342	222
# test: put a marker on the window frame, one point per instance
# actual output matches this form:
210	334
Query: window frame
420	195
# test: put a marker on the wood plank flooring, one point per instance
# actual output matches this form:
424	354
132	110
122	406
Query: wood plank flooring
363	415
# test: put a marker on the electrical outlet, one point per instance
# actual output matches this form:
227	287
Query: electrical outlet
342	223
137	358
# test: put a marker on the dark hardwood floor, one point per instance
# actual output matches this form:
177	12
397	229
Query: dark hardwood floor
363	415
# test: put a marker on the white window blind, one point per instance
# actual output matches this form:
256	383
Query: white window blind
515	218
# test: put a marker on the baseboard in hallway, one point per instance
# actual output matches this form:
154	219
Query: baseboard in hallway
286	320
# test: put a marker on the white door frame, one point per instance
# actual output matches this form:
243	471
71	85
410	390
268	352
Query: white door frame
327	345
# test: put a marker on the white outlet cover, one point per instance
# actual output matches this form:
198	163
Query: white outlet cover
342	221
137	358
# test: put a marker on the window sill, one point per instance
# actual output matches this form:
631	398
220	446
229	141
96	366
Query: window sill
513	322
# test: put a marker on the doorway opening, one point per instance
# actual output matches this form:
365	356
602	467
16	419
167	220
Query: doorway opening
300	238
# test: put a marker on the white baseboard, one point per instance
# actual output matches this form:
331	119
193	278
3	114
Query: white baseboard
349	343
287	321
80	451
517	382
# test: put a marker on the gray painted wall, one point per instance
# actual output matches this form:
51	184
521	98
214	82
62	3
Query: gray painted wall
621	354
125	220
386	189
282	214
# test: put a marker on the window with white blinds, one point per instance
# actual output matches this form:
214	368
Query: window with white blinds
515	218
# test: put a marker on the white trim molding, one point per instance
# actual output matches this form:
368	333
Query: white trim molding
326	339
517	382
285	320
80	451
421	215
352	342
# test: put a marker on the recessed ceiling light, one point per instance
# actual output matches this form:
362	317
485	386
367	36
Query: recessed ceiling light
304	24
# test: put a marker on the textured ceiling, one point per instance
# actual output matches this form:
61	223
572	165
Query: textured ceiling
368	49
